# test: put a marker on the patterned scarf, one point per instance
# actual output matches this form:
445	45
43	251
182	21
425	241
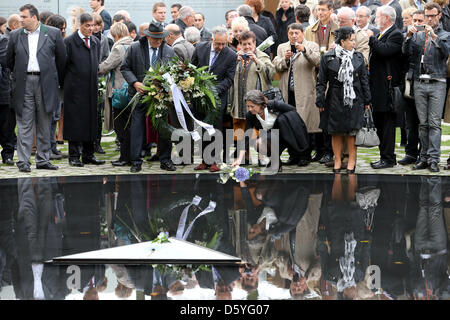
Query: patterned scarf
345	74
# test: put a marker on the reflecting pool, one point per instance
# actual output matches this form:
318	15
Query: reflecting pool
301	236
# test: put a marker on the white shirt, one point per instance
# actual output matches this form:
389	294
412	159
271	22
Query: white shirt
269	120
82	36
33	39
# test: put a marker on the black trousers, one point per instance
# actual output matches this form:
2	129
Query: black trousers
6	132
83	148
122	129
412	129
385	124
137	133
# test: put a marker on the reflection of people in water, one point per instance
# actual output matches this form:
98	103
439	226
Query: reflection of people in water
430	268
344	243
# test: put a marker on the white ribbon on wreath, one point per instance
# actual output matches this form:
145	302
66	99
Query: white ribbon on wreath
180	103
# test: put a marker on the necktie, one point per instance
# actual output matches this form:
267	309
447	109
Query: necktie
324	32
86	40
380	36
214	58
154	57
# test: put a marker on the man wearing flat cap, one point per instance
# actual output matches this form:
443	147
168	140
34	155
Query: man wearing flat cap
149	51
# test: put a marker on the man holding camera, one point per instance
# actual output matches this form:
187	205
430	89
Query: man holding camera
427	47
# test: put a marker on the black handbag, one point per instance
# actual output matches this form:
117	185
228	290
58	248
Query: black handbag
367	136
273	93
396	100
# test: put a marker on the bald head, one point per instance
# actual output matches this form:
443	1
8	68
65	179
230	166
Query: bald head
13	22
142	27
174	33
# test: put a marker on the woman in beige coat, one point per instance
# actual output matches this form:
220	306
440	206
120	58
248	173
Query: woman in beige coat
122	41
300	91
254	71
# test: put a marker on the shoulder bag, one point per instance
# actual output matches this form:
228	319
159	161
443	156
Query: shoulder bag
367	136
120	97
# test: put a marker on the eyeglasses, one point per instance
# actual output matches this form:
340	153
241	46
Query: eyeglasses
430	15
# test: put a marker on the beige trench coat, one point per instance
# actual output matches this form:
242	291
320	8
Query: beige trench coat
304	81
113	62
255	77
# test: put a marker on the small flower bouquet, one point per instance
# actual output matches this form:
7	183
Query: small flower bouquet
161	238
101	90
198	86
238	174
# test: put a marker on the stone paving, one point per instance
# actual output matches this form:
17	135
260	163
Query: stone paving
365	156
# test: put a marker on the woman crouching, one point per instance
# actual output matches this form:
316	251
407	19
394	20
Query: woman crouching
267	115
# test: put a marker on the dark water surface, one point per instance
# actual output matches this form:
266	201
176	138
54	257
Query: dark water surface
299	236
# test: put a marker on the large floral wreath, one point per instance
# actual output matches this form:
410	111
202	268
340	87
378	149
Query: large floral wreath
198	86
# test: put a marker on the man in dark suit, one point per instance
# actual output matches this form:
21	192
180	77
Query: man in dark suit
199	23
81	93
261	34
385	59
36	56
6	134
148	51
185	18
222	61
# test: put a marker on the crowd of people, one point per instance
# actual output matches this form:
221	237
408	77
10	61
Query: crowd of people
337	61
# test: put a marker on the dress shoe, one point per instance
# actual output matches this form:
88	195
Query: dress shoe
337	170
434	167
93	160
24	168
201	166
47	166
326	158
56	151
136	168
168	166
316	157
8	162
382	165
303	163
291	162
119	163
60	142
214	168
407	160
54	156
351	171
76	163
98	148
420	165
154	157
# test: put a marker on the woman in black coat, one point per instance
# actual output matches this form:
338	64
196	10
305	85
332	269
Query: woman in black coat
283	18
344	73
267	115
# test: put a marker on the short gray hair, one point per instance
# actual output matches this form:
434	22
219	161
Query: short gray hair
218	31
192	34
388	11
349	12
367	10
245	10
257	97
185	12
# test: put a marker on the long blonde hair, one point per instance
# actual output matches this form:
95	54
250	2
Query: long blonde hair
76	12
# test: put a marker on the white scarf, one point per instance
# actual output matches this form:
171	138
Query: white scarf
345	74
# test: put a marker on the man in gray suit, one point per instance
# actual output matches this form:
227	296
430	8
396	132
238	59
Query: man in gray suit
182	48
36	56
